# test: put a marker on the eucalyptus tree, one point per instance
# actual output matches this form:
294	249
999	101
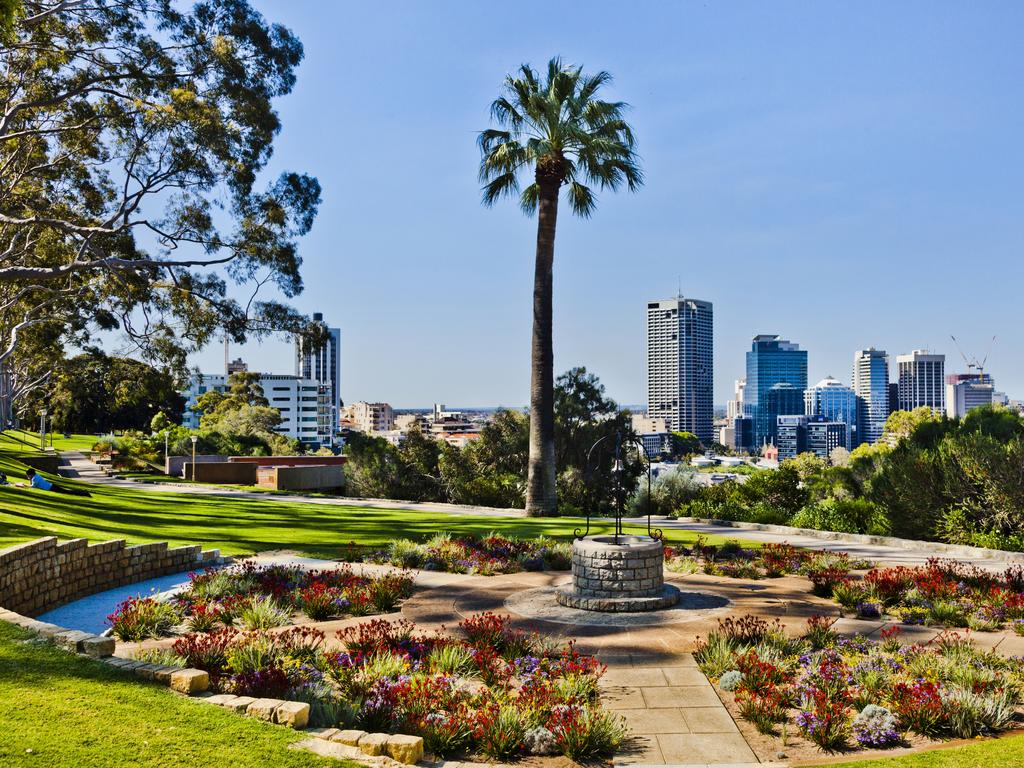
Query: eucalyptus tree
554	127
134	138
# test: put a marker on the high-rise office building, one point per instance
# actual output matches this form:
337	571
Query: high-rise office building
834	401
922	381
772	361
871	386
680	379
734	407
323	365
966	391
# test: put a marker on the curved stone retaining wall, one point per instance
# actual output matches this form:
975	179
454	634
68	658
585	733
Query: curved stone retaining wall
40	575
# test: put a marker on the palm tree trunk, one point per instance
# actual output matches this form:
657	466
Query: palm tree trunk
541	496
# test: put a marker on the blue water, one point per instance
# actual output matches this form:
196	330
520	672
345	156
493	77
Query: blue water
90	613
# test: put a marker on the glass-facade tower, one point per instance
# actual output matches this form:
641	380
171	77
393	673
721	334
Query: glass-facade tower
871	386
772	361
835	402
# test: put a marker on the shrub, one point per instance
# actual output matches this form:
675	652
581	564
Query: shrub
202	618
876	726
918	706
730	680
819	632
261	612
451	659
823	581
824	720
205	651
848	594
844	515
946	614
164	657
758	674
320	602
407	553
253	652
715	655
138	618
500	730
585	732
387	591
763	708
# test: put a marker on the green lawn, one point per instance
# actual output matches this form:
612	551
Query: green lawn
19	439
64	710
239	526
1008	751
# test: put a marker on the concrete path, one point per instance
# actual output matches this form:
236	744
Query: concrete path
78	466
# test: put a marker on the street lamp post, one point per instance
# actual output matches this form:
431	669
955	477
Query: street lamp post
42	429
195	439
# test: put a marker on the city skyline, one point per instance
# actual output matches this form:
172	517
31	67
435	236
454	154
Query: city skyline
771	184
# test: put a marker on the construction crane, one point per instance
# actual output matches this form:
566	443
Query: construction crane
973	363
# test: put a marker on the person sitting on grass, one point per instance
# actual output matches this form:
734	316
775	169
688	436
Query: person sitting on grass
38	481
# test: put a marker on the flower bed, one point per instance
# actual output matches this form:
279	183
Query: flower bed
259	597
942	593
857	694
769	561
484	556
490	690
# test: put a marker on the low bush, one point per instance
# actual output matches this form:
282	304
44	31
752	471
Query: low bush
139	618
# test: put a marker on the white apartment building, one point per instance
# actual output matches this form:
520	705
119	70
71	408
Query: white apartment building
680	369
967	391
304	404
921	381
370	417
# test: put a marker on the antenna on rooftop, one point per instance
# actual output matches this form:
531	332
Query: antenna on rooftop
679	288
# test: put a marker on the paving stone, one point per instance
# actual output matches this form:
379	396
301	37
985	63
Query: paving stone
684	676
263	709
239	703
705	748
650	676
640	750
373	744
709	720
349	737
650	722
682	696
405	749
622	698
294	714
190	681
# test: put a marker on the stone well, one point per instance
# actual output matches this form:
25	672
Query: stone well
618	577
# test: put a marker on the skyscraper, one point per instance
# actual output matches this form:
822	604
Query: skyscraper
921	378
323	365
680	379
772	361
871	385
834	401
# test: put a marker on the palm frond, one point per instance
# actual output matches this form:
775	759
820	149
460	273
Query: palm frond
557	115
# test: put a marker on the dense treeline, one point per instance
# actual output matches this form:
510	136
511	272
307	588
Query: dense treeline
957	481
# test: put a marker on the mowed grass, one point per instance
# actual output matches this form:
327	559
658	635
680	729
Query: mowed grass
23	440
1007	751
70	712
240	526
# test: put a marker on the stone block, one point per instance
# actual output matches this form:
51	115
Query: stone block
97	646
69	639
405	749
239	703
294	714
220	699
350	738
373	744
162	674
190	681
263	709
146	671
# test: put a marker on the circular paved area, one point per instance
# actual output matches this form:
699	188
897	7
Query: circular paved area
542	603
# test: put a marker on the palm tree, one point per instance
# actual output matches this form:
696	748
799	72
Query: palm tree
560	129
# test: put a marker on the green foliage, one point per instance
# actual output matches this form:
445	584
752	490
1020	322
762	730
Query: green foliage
95	393
669	491
845	515
685	444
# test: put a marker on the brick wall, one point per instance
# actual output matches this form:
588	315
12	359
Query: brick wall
40	575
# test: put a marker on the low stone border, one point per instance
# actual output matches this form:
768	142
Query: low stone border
912	545
74	640
360	744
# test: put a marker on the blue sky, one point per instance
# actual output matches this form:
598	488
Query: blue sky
845	175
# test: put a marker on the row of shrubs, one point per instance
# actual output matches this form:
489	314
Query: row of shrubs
486	556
